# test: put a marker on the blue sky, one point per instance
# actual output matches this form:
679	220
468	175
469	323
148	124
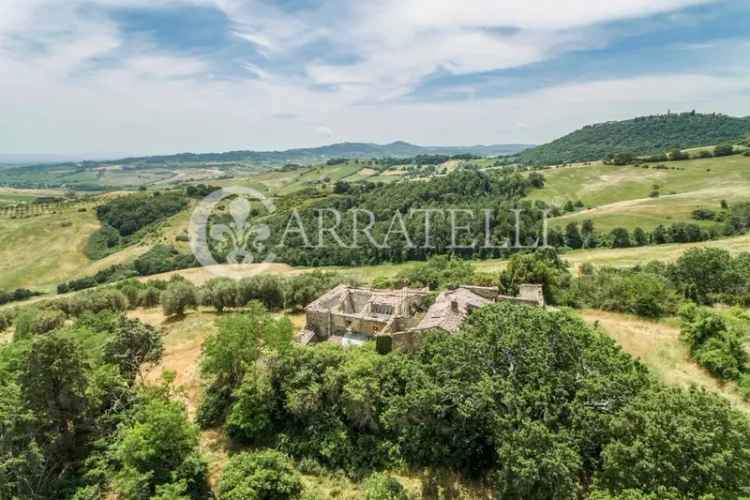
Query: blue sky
159	76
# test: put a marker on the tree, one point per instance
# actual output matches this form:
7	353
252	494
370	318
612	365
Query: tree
232	351
689	442
177	297
221	293
622	158
536	180
341	187
262	475
724	150
268	289
130	345
544	268
53	383
239	340
701	273
22	464
149	297
573	238
157	446
677	155
660	235
587	233
640	238
619	238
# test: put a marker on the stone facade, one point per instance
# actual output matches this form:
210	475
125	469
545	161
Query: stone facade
347	310
348	315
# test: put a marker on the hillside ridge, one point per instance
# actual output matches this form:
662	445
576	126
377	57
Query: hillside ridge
642	135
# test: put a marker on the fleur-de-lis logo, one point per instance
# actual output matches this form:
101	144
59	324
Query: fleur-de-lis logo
239	235
245	242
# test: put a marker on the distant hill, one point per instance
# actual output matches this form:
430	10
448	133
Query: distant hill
398	149
640	136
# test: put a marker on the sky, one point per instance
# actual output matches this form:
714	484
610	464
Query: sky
109	77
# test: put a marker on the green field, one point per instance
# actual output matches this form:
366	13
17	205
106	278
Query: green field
620	195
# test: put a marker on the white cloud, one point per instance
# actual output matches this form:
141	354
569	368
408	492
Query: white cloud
324	131
150	102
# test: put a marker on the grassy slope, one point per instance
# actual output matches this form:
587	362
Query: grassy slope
40	251
619	195
657	344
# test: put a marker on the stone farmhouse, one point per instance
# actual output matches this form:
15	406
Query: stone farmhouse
397	318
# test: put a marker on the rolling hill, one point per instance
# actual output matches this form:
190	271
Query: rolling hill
640	136
620	196
398	149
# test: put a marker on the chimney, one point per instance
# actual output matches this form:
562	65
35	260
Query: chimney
454	306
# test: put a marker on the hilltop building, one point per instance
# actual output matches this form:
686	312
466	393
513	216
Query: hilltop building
351	316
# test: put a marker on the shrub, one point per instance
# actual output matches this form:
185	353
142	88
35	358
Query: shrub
635	292
265	475
744	385
33	321
712	343
149	297
619	238
724	150
384	487
305	288
131	290
704	214
102	321
441	271
220	293
17	295
265	288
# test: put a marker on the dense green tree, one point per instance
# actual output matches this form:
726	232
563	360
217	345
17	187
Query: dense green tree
645	135
22	463
232	351
619	238
131	344
587	234
441	271
573	237
543	267
700	273
263	475
660	235
536	180
157	446
220	293
53	383
690	443
640	238
239	341
268	289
